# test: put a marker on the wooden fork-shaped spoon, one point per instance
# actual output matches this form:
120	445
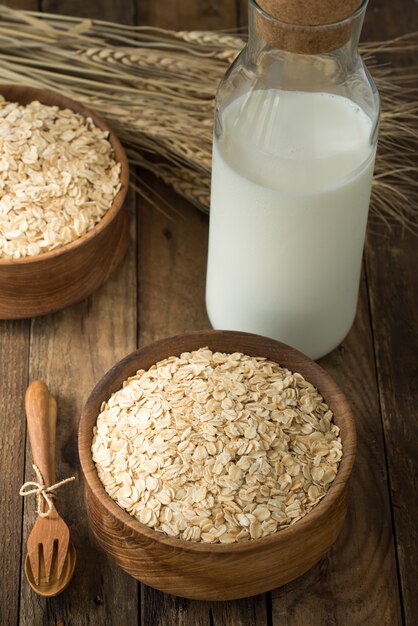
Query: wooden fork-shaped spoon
51	557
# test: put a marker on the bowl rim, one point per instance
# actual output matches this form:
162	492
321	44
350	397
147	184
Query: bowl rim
63	102
318	512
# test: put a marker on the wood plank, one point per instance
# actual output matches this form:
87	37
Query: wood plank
24	5
391	262
121	11
172	269
247	612
164	610
242	13
71	350
14	351
356	583
187	14
14	363
393	281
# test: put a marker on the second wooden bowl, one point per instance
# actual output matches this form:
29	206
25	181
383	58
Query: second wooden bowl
52	280
215	571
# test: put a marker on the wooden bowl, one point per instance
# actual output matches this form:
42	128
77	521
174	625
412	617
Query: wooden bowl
52	280
216	571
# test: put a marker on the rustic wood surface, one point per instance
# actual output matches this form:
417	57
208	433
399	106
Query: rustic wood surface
370	576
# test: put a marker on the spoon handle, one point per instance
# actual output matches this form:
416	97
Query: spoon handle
41	417
52	423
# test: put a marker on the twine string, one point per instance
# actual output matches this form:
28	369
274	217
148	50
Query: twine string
42	492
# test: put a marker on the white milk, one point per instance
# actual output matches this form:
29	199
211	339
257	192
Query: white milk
291	184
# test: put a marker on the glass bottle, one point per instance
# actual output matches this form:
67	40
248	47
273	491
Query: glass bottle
295	136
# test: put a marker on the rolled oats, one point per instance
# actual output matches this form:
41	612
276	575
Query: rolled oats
218	448
58	177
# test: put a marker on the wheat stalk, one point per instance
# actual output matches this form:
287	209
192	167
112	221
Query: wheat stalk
156	88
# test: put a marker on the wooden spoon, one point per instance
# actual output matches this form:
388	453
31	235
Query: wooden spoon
56	584
50	563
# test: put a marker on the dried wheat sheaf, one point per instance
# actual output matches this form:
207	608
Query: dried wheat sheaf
156	88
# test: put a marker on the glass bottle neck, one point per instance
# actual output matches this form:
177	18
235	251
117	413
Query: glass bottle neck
326	51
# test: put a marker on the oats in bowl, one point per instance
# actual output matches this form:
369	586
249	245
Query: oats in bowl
216	447
58	177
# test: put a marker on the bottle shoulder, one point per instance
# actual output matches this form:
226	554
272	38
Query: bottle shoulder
302	73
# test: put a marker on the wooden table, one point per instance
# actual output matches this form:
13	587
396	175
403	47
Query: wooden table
370	576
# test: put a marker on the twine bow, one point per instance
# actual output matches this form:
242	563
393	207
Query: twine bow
41	491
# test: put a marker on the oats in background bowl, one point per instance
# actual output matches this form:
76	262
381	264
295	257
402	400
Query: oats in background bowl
58	177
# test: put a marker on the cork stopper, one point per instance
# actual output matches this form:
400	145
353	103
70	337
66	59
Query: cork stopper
305	26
